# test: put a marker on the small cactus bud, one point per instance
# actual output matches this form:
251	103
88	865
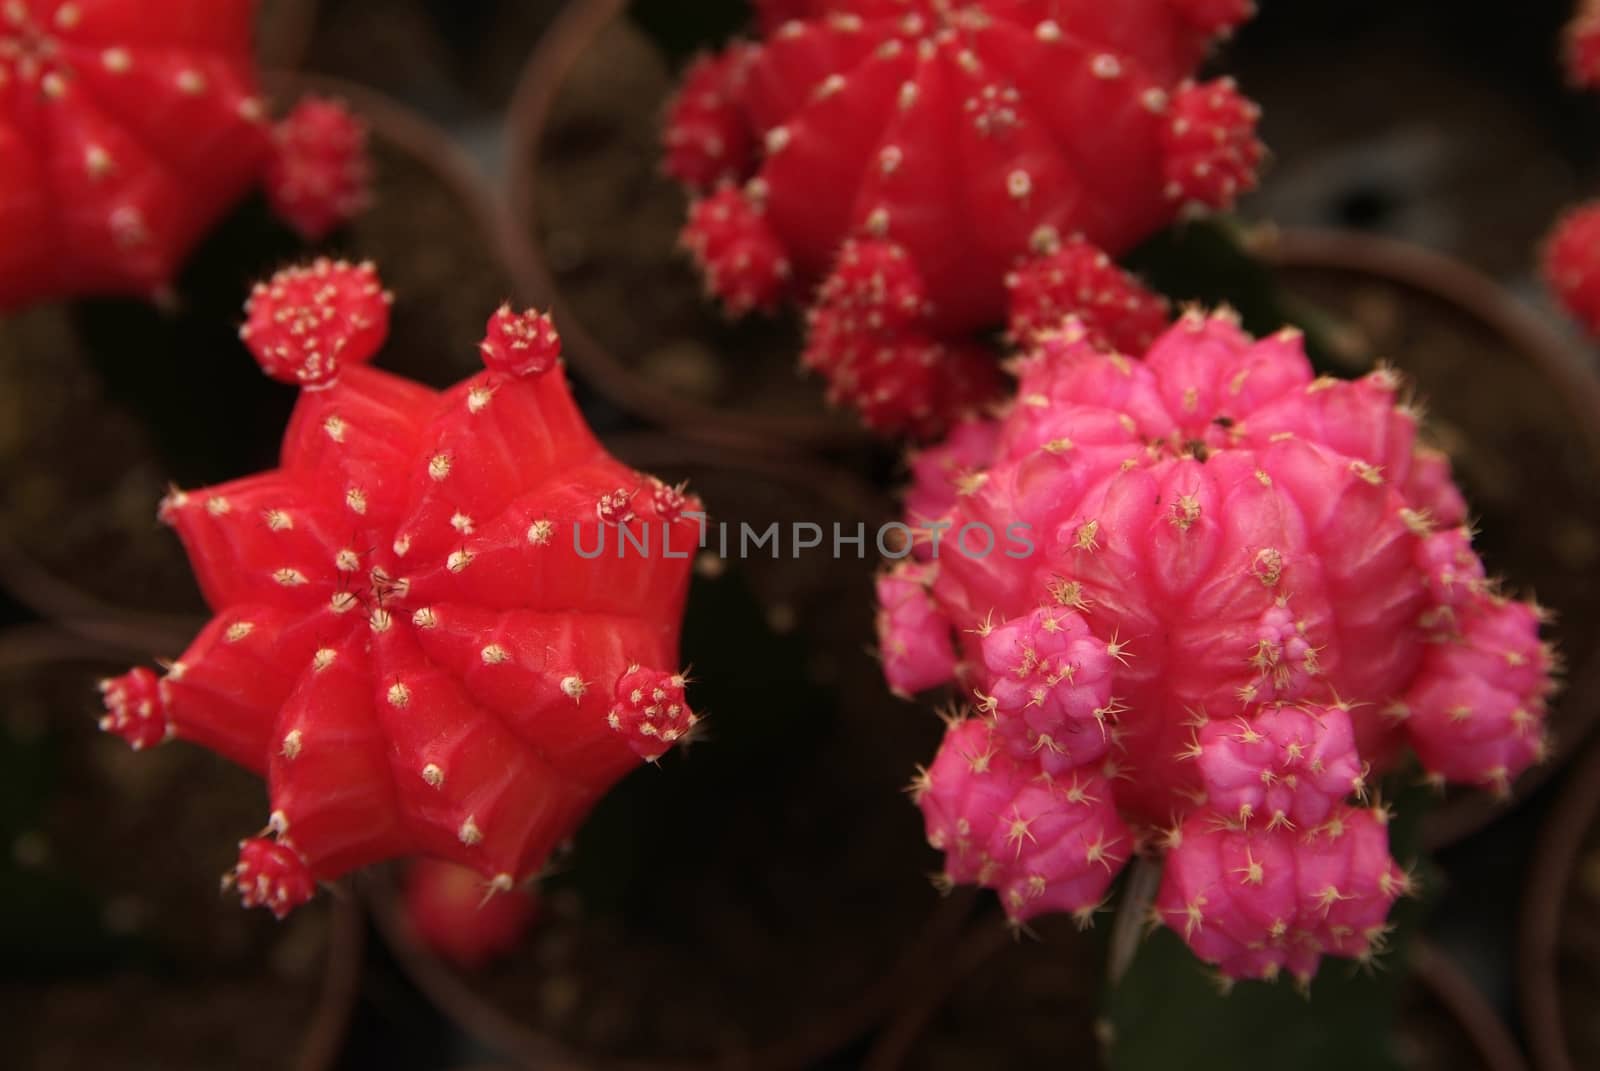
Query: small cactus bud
1212	151
319	174
520	344
270	874
306	324
650	711
136	710
1581	46
1572	265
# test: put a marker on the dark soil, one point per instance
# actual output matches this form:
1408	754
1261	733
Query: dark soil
609	223
119	949
741	902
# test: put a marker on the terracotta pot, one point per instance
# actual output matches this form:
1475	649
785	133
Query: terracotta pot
145	963
1560	938
760	901
636	325
174	397
1517	408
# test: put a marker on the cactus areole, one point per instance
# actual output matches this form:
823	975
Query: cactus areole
965	138
126	130
1251	589
407	645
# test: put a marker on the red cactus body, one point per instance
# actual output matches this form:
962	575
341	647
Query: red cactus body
968	136
1230	590
1572	264
126	130
447	910
415	642
319	173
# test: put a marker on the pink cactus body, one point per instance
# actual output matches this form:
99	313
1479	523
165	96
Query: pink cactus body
318	177
1572	265
447	911
1045	844
126	130
1242	588
408	644
966	137
1258	902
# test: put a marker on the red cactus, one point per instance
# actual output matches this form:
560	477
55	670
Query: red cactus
307	323
414	641
971	136
1572	264
126	130
318	176
706	139
869	335
1079	280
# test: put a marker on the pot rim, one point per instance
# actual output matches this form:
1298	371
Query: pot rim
542	79
1529	338
1544	897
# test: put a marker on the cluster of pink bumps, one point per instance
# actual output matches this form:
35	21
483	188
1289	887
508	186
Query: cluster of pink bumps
407	645
893	163
1249	590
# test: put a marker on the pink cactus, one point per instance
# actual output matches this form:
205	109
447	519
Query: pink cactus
1045	844
1257	902
968	137
447	911
408	644
318	177
1572	264
1242	589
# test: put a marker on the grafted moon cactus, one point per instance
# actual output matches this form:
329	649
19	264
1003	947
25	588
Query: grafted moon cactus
128	128
964	137
1234	592
1571	263
414	642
